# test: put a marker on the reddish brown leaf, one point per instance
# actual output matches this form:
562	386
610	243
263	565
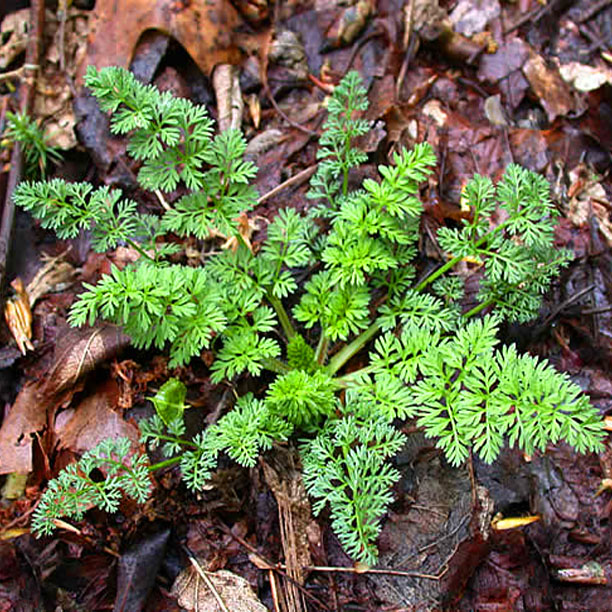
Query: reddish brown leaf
28	415
94	420
204	27
80	351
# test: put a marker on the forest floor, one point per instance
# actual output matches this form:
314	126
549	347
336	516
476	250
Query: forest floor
486	83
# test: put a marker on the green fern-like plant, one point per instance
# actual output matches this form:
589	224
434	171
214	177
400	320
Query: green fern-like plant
37	152
430	359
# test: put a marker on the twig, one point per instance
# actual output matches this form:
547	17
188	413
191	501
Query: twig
205	578
389	572
535	15
277	567
264	81
298	179
359	45
595	8
162	200
18	72
408	45
274	590
26	96
565	304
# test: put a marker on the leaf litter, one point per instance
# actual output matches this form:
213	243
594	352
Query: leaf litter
549	91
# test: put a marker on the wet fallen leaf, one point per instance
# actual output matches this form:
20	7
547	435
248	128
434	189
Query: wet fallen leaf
552	91
27	416
203	27
472	16
80	351
509	57
81	428
286	49
137	571
193	593
348	25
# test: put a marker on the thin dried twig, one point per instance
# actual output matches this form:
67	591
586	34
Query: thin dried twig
372	570
595	8
277	567
298	179
26	96
532	16
209	583
264	81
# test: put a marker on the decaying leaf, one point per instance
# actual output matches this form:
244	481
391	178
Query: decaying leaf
584	77
203	27
56	274
472	16
27	415
246	227
194	593
93	420
80	351
546	82
588	199
287	50
348	25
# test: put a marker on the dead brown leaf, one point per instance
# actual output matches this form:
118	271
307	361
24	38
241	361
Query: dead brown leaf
204	28
27	416
94	420
546	82
79	351
194	593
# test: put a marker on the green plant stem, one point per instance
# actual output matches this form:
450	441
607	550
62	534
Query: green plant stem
176	440
455	260
477	309
136	246
164	464
321	350
344	354
283	317
275	365
346	380
437	273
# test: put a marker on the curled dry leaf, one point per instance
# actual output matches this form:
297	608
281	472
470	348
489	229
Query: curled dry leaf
194	593
56	274
18	316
